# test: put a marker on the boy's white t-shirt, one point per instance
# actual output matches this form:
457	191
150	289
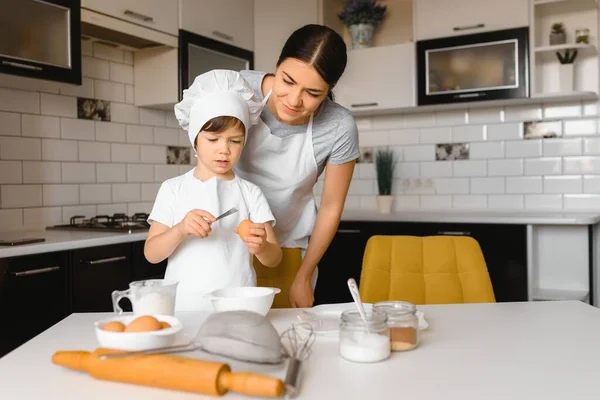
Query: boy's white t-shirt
220	260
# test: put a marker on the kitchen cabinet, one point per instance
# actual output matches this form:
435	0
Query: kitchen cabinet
160	15
96	272
33	296
227	21
442	18
378	78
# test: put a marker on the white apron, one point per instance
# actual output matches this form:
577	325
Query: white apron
285	169
222	259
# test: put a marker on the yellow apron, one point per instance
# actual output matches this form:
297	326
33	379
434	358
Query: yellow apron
281	276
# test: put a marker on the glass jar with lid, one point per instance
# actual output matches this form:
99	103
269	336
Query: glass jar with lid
403	323
362	341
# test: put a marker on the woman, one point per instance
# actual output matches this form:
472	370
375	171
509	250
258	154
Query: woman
302	133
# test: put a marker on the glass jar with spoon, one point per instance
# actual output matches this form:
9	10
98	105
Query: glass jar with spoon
364	341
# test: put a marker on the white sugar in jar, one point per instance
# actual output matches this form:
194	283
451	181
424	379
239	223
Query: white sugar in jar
364	342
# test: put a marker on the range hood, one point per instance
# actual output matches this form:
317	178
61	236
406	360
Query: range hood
123	34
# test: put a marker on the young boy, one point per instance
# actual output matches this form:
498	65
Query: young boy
204	254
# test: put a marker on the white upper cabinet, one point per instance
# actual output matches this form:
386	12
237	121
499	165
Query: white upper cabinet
378	78
227	21
161	15
442	18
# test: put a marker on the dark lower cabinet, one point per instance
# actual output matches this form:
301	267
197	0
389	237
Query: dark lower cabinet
33	296
142	268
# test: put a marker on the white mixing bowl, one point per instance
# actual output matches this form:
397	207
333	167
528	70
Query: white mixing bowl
249	298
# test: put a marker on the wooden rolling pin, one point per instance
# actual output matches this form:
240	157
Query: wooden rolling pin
170	372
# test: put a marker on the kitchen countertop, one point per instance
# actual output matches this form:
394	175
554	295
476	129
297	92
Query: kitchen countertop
491	351
477	217
64	240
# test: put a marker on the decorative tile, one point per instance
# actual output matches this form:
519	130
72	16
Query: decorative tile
178	155
451	151
366	155
546	129
95	109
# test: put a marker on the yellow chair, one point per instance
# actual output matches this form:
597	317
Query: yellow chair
425	270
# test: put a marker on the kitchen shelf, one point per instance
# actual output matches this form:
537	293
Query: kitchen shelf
567	46
560	294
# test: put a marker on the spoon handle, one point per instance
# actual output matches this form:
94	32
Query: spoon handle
356	296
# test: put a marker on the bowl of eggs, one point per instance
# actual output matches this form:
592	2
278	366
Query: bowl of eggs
135	332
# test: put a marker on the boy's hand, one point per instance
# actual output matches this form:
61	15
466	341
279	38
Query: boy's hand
256	239
197	223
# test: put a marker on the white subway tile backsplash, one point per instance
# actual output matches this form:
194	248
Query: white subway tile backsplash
108	53
487	185
562	110
149	191
505	167
451	118
126	113
381	122
505	131
486	115
368	203
59	150
95	194
111	173
580	127
435	135
28	84
11	219
591	146
17	148
590	108
173	123
452	185
506	202
128	57
128	192
77	129
563	184
523	148
433	169
10	124
86	89
169	136
94	151
140	173
486	150
562	147
407	170
591	184
61	106
581	165
72	211
524	185
11	172
406	202
466	133
403	137
154	154
129	94
164	172
419	120
140	134
543	166
41	172
111	209
522	113
153	117
121	73
351	203
125	152
357	187
419	153
40	126
366	138
19	101
543	202
111	91
470	168
40	218
184	139
365	171
17	196
435	202
133	208
469	202
94	68
78	172
110	132
581	202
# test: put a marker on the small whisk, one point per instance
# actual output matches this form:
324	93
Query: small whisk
296	343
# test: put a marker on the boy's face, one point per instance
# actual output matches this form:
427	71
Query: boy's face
219	152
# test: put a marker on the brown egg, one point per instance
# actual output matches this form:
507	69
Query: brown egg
242	229
145	323
164	325
114	326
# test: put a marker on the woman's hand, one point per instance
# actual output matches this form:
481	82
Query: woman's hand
256	239
301	293
197	223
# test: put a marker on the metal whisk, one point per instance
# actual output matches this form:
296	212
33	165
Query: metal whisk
296	344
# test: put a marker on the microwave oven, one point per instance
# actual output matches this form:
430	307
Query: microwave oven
476	67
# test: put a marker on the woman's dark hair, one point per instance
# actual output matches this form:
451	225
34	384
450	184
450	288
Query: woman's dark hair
219	124
321	47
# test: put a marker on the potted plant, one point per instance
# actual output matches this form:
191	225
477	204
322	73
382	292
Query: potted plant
362	17
385	162
558	34
566	74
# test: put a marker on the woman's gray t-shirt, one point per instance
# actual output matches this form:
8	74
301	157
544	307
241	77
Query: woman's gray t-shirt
335	135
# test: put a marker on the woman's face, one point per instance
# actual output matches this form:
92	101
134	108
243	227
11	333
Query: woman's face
298	90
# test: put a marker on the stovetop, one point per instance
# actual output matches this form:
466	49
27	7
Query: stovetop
106	223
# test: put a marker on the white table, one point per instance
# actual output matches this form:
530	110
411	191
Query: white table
541	350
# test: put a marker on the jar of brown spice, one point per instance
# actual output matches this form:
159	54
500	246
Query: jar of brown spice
403	323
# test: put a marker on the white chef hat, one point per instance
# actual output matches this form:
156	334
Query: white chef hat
217	93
